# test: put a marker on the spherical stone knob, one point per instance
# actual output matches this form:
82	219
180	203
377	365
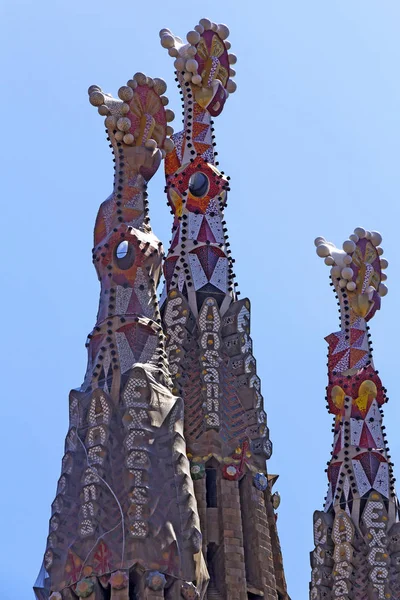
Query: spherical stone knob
349	246
179	64
193	37
323	250
382	289
140	78
231	86
223	31
125	93
347	273
164	31
191	51
96	98
151	144
169	115
160	87
167	40
376	238
192	65
360	231
124	108
384	263
124	124
103	110
168	145
111	122
206	23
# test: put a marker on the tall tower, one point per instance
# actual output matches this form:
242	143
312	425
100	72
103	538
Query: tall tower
209	347
357	536
124	523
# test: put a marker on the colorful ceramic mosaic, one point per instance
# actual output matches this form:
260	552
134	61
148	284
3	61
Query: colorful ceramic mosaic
207	326
117	524
137	515
352	556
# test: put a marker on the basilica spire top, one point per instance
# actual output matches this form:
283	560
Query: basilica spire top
203	63
136	116
203	68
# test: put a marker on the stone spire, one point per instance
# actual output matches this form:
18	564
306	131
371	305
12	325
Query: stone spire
357	536
209	347
124	522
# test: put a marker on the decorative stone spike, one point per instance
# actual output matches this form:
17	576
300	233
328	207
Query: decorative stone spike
116	514
353	553
209	347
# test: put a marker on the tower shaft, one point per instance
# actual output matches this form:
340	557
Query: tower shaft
356	534
208	340
124	523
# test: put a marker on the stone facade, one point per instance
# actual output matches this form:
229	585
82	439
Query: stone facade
164	490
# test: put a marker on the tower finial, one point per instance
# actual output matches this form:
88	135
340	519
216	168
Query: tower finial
357	269
203	63
137	117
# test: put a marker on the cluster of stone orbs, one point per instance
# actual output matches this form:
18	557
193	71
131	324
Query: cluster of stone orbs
340	260
116	111
184	53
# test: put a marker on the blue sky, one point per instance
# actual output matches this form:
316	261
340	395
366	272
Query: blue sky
311	141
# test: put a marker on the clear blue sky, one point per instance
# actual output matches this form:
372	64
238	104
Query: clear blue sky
311	140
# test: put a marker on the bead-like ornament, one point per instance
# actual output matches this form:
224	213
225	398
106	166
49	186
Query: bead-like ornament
276	500
84	587
119	580
155	581
260	481
197	470
230	472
